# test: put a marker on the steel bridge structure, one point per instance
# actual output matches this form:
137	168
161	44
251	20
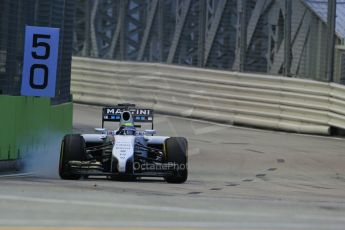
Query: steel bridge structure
266	36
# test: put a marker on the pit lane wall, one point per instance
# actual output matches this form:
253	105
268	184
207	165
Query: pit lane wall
272	102
27	124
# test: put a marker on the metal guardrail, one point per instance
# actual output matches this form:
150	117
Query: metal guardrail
238	98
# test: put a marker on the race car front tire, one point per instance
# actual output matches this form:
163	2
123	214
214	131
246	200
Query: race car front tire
72	149
176	154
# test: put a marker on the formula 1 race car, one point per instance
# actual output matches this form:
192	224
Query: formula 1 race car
125	153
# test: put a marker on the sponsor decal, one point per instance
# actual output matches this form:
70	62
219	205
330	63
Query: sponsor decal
136	112
110	111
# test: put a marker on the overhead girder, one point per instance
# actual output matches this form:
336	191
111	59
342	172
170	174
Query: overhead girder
182	8
104	17
152	11
299	29
187	49
134	24
82	28
241	35
222	52
213	17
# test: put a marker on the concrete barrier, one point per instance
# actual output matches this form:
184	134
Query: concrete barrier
265	101
29	123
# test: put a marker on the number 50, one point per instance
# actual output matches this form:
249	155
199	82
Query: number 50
36	44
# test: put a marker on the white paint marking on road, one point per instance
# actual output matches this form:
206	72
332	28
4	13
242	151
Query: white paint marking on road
244	225
16	175
194	151
118	206
209	129
124	206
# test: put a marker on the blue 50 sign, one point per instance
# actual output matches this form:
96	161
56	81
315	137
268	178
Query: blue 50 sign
40	61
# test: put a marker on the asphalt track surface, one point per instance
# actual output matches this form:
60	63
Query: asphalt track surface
239	178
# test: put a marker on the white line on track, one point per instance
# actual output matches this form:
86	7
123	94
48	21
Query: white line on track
118	206
282	225
16	175
123	206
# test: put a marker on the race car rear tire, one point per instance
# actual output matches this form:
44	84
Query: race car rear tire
176	153
72	149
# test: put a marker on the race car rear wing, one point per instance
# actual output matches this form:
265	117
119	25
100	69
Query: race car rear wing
113	114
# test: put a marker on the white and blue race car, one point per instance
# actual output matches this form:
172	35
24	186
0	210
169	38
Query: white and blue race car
126	153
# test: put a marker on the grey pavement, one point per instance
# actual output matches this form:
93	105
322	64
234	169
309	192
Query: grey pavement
240	178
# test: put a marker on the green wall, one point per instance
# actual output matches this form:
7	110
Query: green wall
27	123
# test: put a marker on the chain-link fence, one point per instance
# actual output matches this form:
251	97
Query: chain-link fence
281	37
14	15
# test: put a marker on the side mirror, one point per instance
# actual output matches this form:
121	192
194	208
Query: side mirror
149	132
101	130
